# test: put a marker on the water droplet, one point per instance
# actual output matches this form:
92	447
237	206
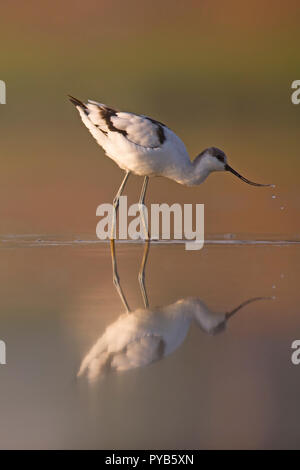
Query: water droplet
273	197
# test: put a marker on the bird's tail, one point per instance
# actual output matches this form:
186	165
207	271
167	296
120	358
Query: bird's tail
77	102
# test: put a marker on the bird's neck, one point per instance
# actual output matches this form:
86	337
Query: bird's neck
193	173
206	319
183	308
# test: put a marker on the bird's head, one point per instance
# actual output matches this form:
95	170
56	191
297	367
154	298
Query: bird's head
214	159
214	323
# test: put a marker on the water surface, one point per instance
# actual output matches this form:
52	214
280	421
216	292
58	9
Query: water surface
236	388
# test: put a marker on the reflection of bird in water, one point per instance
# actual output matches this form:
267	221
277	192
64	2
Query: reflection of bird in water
146	335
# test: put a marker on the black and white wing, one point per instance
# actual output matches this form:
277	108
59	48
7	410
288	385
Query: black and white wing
136	129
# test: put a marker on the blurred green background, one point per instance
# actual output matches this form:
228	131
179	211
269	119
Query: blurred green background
218	73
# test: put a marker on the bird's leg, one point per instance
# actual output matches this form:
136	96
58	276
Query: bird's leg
141	207
116	205
141	275
116	279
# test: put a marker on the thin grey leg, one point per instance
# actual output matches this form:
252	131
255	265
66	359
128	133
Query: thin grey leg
116	279
141	205
141	276
116	205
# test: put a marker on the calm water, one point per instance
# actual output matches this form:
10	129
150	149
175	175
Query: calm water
234	389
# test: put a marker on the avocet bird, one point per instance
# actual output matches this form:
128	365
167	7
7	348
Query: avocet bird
146	147
148	335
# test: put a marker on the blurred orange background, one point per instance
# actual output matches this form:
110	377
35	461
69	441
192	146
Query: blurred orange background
217	73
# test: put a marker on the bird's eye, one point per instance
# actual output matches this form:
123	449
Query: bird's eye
220	158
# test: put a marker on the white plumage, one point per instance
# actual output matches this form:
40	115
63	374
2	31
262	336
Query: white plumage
136	143
144	336
146	147
139	338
